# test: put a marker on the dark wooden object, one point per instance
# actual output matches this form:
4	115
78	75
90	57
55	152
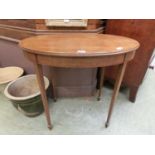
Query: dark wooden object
144	32
79	51
101	81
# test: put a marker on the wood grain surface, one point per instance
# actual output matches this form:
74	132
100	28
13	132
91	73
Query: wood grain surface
79	44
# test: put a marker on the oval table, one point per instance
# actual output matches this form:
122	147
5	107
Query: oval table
79	51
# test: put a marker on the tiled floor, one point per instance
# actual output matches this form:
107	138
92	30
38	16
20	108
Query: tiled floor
86	115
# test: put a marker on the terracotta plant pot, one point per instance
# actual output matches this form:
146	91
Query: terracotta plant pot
8	74
25	95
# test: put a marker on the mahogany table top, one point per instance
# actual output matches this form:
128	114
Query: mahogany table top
78	45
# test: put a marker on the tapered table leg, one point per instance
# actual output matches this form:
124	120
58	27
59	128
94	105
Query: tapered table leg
102	70
53	90
53	85
119	78
39	73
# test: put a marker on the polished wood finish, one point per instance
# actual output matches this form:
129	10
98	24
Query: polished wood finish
143	31
81	51
79	45
40	78
80	61
120	73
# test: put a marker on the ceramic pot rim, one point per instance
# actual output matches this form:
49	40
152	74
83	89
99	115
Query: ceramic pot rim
11	97
20	70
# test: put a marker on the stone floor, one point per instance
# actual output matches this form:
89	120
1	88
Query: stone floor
86	115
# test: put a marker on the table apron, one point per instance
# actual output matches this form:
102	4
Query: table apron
80	62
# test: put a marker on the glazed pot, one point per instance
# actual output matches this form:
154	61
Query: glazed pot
25	95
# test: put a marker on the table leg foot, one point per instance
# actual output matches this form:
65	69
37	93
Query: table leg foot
50	127
54	100
98	99
106	124
133	93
